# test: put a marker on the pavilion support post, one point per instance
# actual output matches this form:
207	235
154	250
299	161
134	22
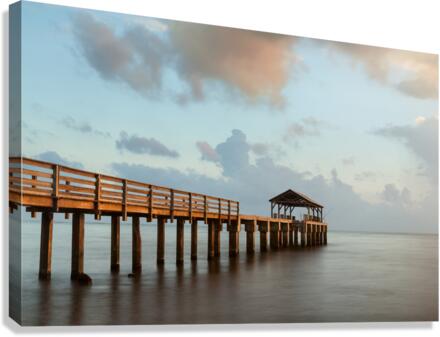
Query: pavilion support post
211	234
46	245
250	236
263	227
179	241
136	246
234	231
285	231
295	236
303	235
193	239
114	245
160	254
274	235
77	266
217	237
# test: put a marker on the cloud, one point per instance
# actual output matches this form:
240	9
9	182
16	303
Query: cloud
349	161
207	152
391	194
254	64
82	127
308	126
421	139
135	57
143	145
412	73
54	157
253	184
366	175
260	149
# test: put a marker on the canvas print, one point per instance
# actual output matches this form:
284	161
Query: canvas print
167	172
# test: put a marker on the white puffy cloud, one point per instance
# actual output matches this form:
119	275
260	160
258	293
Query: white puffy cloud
256	65
418	72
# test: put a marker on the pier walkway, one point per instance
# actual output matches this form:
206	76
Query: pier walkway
48	188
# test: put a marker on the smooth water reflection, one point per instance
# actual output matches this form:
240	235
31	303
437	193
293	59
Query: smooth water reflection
357	277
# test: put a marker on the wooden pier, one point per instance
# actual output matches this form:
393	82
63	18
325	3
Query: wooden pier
48	188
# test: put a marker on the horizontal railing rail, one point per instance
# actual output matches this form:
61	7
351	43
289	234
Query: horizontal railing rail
39	178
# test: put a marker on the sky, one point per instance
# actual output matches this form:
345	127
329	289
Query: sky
240	114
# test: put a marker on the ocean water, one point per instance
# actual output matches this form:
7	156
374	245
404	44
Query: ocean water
357	277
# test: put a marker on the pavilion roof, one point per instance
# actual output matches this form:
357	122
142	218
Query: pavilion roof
296	199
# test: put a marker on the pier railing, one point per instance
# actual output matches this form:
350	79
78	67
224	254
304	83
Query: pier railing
50	185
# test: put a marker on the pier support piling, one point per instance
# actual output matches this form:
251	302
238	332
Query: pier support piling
193	239
234	231
211	234
77	246
285	231
295	236
325	235
303	235
263	227
309	235
160	254
136	252
320	235
291	242
46	245
180	239
250	236
274	235
115	239
217	232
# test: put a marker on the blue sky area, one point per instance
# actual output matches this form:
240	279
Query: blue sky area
235	113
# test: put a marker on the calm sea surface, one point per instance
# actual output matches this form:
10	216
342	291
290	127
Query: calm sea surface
356	277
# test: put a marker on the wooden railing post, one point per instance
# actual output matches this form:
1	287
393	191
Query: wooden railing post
124	200
66	215
33	213
219	208
97	196
205	210
55	183
172	205
229	212
190	206
150	203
